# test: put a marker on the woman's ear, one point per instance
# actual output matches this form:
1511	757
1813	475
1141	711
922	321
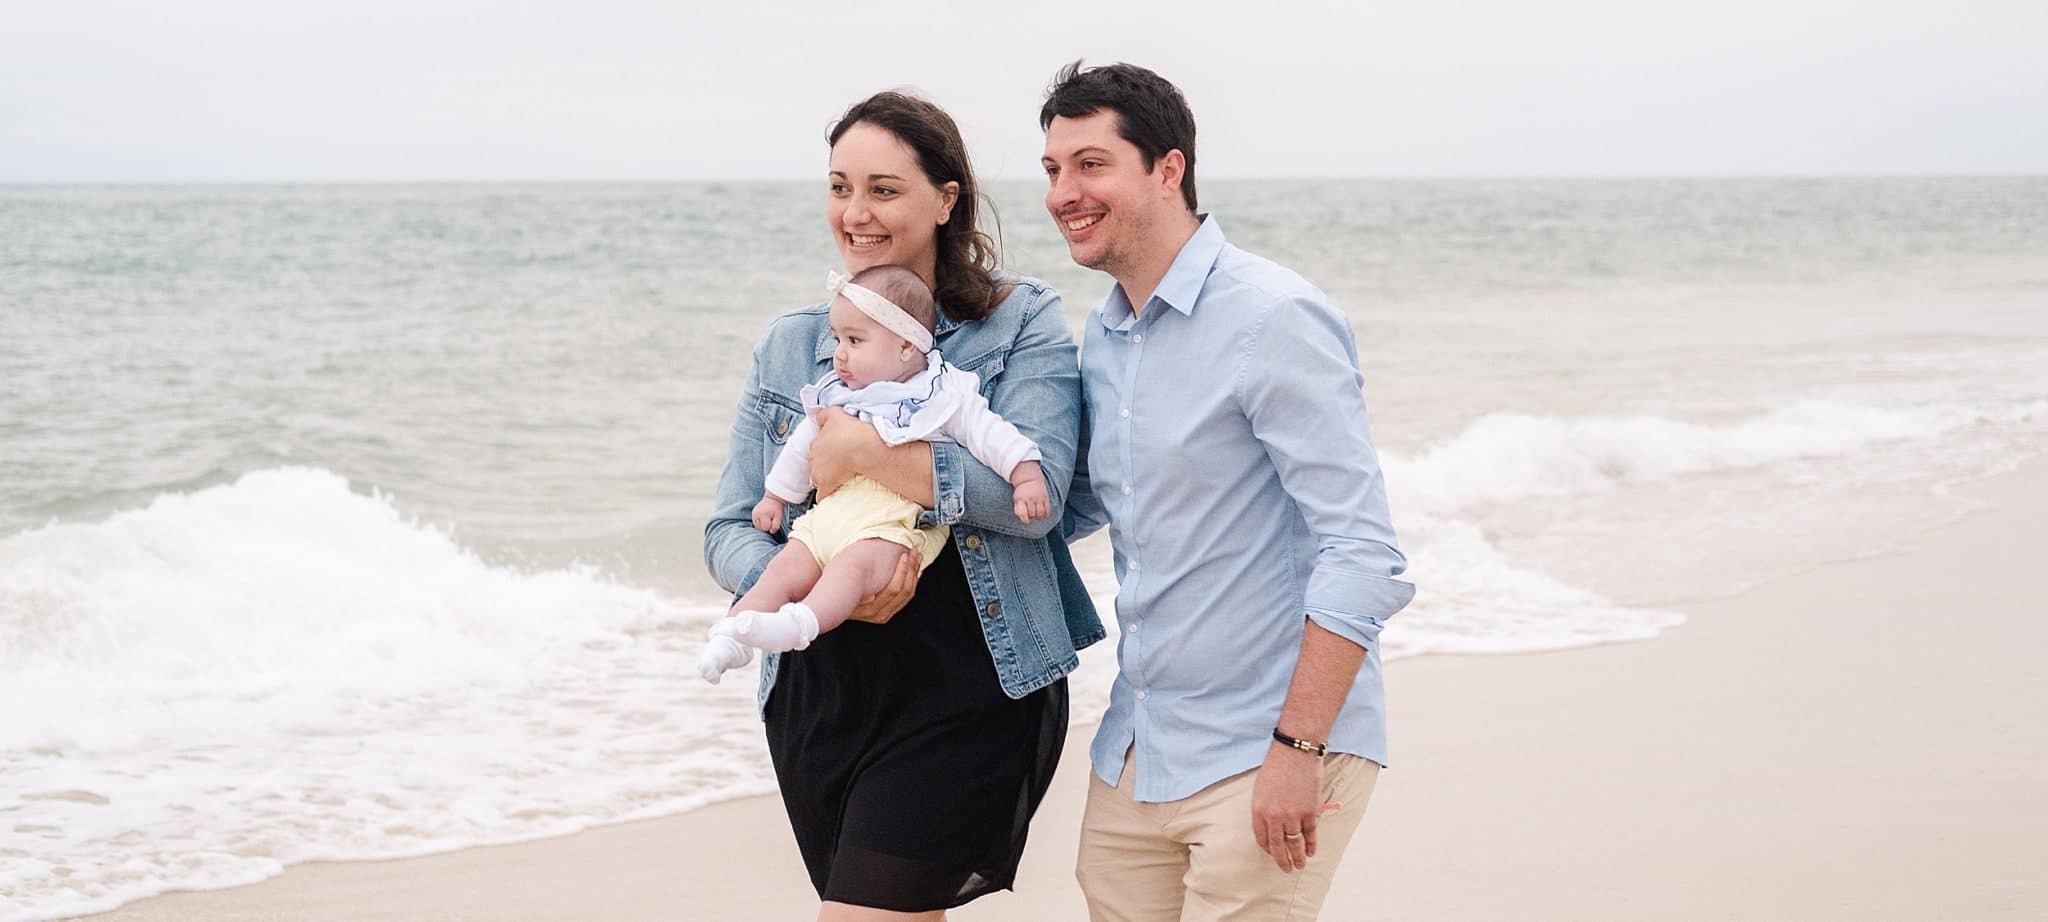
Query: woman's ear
948	194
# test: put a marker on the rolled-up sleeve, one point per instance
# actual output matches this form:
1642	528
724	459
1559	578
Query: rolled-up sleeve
1300	387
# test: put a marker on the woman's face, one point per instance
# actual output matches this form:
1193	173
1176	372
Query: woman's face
882	207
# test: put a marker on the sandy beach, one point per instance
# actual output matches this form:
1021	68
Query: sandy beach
1861	741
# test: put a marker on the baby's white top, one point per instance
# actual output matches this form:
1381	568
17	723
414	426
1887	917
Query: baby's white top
943	403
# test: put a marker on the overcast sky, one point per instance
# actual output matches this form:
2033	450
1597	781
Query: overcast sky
516	90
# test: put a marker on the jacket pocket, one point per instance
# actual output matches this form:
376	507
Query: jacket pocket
988	368
779	417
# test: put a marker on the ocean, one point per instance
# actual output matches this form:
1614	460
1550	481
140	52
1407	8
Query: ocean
344	522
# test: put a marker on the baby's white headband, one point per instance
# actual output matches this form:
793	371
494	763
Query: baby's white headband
884	311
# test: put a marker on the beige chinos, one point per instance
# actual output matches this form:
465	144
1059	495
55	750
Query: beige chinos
1194	860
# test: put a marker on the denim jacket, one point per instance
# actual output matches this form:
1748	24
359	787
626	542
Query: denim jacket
1034	611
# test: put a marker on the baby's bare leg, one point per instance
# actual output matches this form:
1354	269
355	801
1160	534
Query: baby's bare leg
859	571
853	574
789	576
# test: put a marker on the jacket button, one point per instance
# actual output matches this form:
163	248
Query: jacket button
973	542
995	609
782	426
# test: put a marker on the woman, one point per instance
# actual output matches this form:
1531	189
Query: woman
912	751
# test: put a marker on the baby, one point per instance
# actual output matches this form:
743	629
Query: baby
887	371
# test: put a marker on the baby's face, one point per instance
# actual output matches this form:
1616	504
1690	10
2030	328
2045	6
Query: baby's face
868	352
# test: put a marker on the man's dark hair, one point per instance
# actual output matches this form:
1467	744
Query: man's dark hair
904	289
1150	112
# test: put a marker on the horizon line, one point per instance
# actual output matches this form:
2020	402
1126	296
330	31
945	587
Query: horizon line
1383	177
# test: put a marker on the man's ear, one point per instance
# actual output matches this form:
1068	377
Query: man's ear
948	194
1171	168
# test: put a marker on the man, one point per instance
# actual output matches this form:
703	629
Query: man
1227	452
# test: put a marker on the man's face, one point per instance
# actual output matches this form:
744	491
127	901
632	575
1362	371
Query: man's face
1099	192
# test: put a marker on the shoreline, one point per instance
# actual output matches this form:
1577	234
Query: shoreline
1765	759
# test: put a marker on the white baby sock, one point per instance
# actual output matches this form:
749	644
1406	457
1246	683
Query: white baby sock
722	652
791	628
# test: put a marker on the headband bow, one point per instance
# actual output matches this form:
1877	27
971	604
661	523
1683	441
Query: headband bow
884	311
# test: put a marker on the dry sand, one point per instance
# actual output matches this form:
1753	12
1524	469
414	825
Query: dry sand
1862	741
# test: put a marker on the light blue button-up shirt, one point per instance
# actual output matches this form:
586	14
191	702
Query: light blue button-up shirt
1227	451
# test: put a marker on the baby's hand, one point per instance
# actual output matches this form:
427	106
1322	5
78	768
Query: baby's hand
768	514
1031	501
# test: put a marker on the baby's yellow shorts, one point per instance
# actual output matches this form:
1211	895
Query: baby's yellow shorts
862	509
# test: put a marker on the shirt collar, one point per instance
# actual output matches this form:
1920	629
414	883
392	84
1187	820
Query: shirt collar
827	344
1182	284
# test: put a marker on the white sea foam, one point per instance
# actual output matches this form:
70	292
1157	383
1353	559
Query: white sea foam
202	691
197	693
1504	457
1473	599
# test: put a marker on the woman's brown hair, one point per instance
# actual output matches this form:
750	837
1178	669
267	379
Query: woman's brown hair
965	280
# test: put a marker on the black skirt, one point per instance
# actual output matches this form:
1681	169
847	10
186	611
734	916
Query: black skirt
909	777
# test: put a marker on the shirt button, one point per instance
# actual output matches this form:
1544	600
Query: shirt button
1141	694
1139	338
973	542
1127	489
995	609
1125	412
1131	628
782	427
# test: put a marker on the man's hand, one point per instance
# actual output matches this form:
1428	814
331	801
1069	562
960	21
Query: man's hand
1285	801
1030	499
768	513
883	605
845	445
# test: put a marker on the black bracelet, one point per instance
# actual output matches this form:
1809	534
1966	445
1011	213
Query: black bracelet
1321	749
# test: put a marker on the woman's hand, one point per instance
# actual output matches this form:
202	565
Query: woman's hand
768	513
843	448
883	605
